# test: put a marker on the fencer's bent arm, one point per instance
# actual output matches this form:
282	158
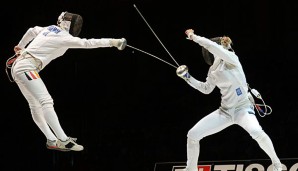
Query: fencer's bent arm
204	87
29	35
216	49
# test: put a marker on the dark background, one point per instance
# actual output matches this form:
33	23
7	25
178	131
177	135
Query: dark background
129	109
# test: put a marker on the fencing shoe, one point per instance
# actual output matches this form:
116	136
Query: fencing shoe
52	145
119	43
69	144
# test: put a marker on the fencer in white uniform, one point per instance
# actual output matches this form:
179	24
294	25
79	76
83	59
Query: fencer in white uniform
37	48
227	74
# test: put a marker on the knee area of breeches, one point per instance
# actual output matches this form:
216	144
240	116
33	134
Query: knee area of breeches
46	101
48	104
194	135
258	135
192	141
35	109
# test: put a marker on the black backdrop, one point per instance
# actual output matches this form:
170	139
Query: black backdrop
129	109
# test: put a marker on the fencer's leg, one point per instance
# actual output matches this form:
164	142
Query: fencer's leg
35	107
210	124
266	144
118	43
193	151
250	123
52	119
34	90
38	118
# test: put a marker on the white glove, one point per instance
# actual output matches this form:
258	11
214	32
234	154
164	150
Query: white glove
118	43
182	71
189	33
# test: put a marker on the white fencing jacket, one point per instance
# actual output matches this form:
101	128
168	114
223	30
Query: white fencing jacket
51	42
226	73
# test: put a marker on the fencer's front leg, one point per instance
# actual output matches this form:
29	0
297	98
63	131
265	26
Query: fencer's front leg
193	151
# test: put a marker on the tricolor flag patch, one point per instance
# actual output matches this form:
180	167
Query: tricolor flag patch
32	75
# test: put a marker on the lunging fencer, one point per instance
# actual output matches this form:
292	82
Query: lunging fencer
37	48
227	74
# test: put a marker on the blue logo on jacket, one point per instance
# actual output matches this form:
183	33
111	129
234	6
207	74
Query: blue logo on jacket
53	29
238	91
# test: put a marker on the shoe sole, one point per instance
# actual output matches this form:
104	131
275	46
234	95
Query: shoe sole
56	148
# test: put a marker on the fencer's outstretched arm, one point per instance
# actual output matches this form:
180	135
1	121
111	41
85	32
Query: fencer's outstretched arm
76	42
214	48
69	41
204	87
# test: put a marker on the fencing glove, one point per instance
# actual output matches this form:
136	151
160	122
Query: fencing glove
119	43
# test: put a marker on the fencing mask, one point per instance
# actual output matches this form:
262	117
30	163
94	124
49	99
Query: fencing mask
70	22
224	41
208	57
